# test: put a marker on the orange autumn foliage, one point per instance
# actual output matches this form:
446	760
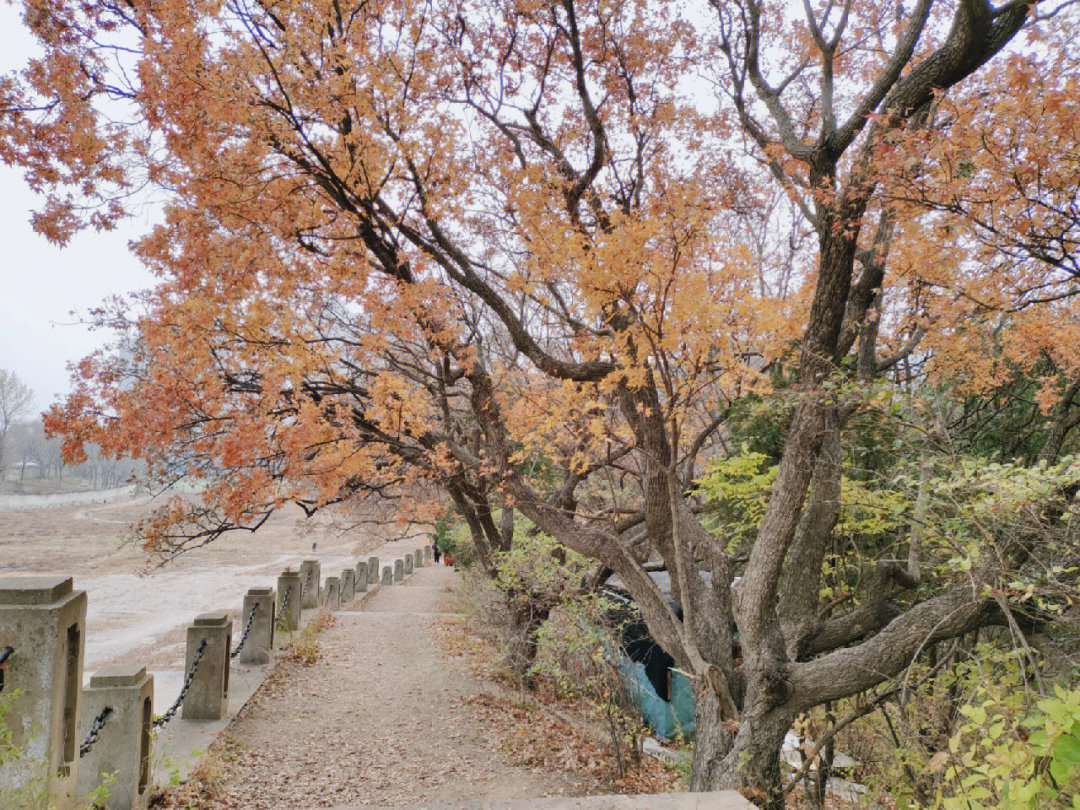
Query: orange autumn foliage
526	255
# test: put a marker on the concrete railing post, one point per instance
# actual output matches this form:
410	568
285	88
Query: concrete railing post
372	570
362	577
208	697
387	575
260	639
408	564
290	591
333	594
419	556
123	748
311	573
348	585
399	570
43	620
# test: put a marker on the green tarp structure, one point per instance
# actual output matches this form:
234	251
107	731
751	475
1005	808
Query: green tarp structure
667	717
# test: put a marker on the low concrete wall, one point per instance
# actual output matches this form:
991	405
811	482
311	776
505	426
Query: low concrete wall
719	800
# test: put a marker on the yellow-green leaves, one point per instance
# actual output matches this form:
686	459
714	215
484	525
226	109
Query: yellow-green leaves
1000	761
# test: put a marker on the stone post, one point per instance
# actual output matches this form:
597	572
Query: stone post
427	553
208	697
311	573
44	620
387	575
333	594
123	748
348	585
362	577
372	570
399	570
408	564
260	638
419	556
290	590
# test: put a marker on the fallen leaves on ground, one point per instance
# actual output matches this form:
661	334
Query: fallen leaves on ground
532	738
543	738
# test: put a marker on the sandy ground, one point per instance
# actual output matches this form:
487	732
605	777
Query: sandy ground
380	719
137	613
53	499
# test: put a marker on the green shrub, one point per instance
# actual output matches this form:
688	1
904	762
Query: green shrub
9	752
997	760
455	540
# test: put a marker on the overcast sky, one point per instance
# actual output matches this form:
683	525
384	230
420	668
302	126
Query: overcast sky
41	283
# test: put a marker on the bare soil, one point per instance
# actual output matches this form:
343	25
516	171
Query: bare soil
83	540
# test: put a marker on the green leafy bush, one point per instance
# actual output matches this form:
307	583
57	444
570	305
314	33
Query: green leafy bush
997	761
9	752
538	565
455	540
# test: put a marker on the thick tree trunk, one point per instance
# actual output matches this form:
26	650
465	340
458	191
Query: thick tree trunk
712	741
753	763
749	761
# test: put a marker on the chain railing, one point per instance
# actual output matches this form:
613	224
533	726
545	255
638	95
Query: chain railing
284	604
188	678
244	635
95	730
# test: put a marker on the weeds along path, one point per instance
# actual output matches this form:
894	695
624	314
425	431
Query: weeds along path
379	719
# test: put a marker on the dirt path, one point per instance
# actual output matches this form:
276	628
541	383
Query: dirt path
380	719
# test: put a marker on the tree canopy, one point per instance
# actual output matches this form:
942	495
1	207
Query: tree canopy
556	257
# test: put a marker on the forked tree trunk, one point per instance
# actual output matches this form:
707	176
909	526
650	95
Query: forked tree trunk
749	759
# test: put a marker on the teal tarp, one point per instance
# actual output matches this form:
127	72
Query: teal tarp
667	718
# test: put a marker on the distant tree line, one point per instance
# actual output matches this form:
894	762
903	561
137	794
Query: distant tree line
28	455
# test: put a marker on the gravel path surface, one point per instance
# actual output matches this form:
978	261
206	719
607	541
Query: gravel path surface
380	719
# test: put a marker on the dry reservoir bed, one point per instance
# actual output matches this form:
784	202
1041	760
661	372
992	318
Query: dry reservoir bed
137	613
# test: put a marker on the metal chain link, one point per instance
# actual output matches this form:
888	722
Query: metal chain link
247	629
188	678
95	729
284	604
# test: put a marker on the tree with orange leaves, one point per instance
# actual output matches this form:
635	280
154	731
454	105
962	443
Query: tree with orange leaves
499	249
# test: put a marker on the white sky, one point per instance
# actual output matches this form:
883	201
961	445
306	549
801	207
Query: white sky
41	284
